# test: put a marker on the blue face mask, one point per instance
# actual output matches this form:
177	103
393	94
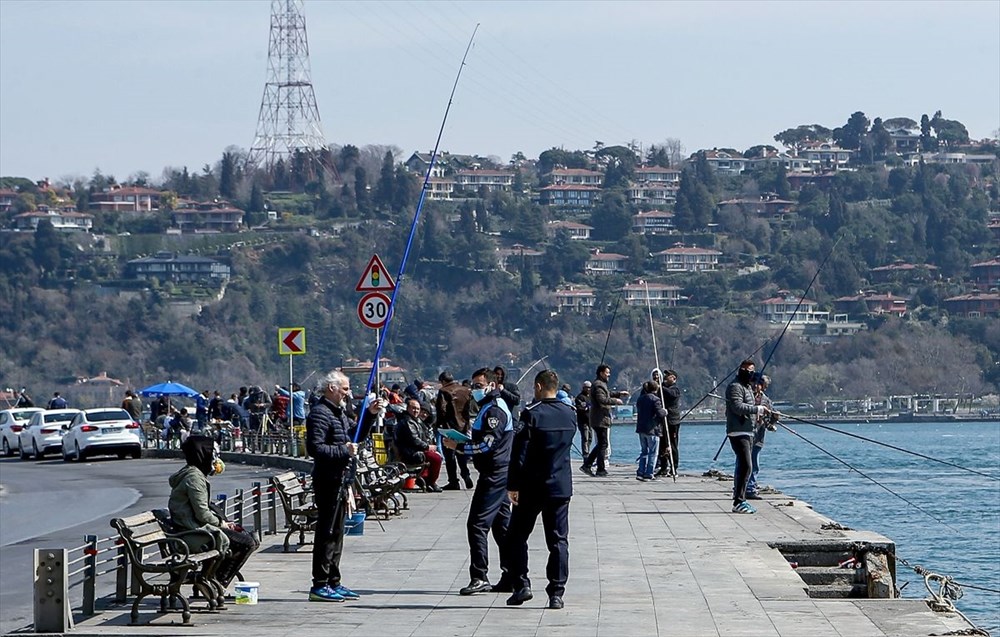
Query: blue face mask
479	394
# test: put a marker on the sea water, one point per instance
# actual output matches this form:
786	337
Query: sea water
963	542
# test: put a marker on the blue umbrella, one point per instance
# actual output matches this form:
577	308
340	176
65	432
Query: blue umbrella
168	388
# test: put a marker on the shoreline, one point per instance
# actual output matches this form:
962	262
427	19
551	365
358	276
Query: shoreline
892	419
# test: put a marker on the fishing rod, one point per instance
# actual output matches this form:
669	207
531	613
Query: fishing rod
613	315
373	376
656	357
865	475
885	444
783	331
530	368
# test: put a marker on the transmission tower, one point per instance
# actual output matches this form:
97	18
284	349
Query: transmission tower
289	119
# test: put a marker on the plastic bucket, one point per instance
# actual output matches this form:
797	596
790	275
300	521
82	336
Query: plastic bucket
246	592
355	525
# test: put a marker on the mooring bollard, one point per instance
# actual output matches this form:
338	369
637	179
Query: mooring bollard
52	612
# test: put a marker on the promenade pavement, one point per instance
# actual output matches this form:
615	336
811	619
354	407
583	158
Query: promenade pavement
655	558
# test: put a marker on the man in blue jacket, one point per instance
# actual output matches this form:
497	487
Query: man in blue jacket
540	481
491	434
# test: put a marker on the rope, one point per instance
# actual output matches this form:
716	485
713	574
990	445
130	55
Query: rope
948	591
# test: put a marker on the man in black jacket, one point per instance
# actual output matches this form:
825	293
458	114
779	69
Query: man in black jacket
455	410
582	405
508	391
328	442
540	481
412	441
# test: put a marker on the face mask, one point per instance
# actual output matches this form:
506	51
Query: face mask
479	394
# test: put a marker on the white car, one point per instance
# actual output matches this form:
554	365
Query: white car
44	432
102	431
11	423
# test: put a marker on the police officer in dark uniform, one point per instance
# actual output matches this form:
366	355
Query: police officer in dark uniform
491	432
540	481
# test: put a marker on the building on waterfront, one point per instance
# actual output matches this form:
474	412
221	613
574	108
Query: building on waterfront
7	199
577	231
575	298
167	266
574	177
974	305
510	259
766	205
874	304
826	156
471	180
986	274
724	162
60	219
211	216
787	308
688	259
570	196
126	199
602	263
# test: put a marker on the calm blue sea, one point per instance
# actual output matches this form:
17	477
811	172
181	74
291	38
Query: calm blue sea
964	545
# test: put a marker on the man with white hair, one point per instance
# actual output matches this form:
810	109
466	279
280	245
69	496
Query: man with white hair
329	443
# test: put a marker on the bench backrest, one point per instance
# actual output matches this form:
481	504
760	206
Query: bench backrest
138	530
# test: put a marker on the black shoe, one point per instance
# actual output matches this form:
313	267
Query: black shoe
601	474
468	482
519	597
475	586
452	486
434	488
753	496
502	586
555	602
587	470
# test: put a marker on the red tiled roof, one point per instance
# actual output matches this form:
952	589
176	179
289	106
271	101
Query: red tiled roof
571	187
787	300
689	251
570	224
580	172
607	256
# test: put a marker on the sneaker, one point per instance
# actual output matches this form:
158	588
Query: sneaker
754	496
345	592
468	482
324	594
641	478
587	470
652	477
452	486
744	507
601	474
434	488
475	586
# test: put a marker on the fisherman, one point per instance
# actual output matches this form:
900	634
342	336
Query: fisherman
491	434
765	423
540	481
672	403
508	391
582	405
741	407
455	409
601	402
650	421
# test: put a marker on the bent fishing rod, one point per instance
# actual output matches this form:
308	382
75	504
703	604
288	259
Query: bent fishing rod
613	316
885	444
780	336
656	358
868	477
373	376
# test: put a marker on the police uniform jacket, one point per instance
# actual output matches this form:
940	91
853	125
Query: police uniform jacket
741	407
540	461
491	432
327	428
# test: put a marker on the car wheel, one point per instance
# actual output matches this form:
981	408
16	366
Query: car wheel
6	448
65	455
38	454
137	453
77	453
122	455
22	453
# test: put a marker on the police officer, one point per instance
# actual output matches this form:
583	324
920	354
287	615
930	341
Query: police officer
540	481
491	433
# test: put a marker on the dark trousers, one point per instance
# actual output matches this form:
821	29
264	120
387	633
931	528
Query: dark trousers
328	544
242	544
489	511
600	450
555	521
675	453
586	437
455	462
742	446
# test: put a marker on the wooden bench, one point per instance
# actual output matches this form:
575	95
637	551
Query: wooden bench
172	566
297	501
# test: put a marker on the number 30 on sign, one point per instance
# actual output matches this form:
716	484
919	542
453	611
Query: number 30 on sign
373	310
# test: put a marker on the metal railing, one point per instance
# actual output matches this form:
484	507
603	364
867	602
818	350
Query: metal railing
98	557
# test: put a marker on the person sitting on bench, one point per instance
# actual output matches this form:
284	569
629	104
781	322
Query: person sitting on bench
414	446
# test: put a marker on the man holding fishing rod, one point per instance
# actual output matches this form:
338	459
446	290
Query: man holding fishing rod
741	407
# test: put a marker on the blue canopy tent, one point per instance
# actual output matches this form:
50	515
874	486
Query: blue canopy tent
168	388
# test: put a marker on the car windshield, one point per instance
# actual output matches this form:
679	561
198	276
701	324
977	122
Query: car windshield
104	416
50	418
22	415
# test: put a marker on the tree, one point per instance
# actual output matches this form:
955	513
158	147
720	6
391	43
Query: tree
386	183
901	123
927	141
796	138
48	242
694	206
553	157
880	139
611	217
849	135
227	175
948	131
760	150
361	194
256	199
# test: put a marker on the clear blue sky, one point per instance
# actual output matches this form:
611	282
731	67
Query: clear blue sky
138	85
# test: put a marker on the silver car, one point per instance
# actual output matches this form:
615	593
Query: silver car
102	431
12	421
44	432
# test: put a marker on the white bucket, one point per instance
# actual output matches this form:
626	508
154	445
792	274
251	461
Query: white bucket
246	592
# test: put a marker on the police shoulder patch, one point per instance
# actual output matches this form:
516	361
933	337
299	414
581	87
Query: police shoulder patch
493	421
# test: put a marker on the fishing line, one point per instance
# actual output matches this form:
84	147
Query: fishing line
373	376
885	444
865	475
615	314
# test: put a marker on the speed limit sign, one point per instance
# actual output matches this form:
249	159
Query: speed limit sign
373	310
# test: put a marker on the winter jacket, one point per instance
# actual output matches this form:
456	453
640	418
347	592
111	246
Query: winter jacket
600	404
741	407
190	494
540	458
649	415
327	435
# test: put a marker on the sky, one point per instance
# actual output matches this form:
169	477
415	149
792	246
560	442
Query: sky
127	86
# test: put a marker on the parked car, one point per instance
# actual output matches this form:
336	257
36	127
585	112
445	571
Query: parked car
12	421
101	431
44	432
